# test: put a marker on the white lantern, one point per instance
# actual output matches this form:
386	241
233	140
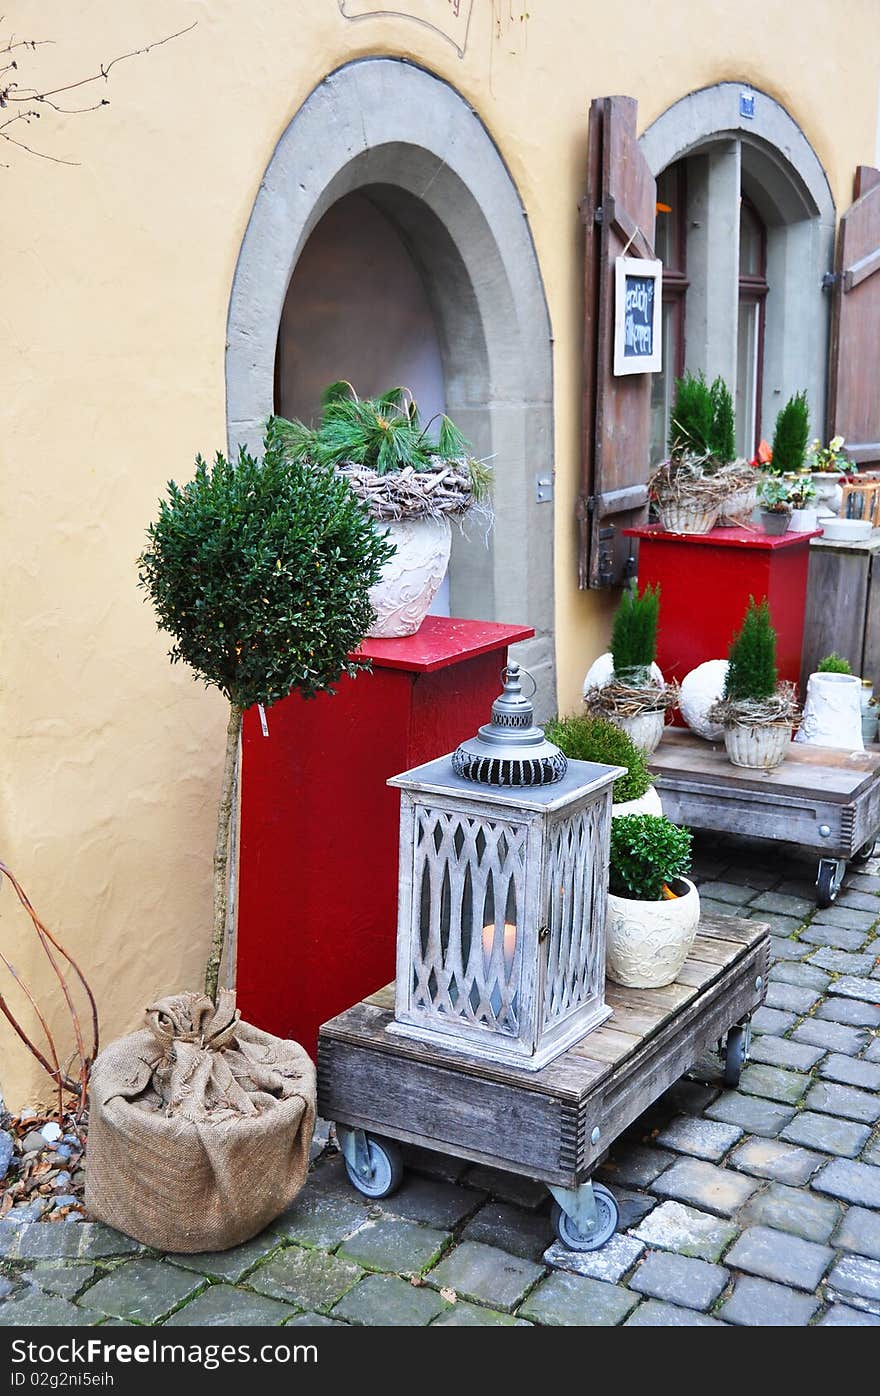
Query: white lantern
503	886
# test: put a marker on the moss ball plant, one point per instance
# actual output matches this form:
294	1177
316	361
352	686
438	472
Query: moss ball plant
834	663
584	738
648	852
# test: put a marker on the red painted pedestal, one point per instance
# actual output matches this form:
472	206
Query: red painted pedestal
705	583
317	918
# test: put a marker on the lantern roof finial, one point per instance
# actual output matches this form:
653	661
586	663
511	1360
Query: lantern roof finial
510	750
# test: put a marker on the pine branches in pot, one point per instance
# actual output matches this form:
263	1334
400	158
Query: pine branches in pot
632	698
412	478
653	909
701	481
756	711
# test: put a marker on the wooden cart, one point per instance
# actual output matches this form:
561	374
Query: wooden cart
820	797
555	1124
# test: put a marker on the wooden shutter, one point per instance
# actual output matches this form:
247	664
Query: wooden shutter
854	379
618	212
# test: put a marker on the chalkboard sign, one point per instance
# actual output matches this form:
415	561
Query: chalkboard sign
637	308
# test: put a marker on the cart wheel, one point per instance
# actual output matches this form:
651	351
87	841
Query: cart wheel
735	1054
607	1216
865	852
828	880
386	1169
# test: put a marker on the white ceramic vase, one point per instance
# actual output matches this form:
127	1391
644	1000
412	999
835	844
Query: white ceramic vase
833	712
411	578
701	688
649	803
758	748
645	729
829	495
648	942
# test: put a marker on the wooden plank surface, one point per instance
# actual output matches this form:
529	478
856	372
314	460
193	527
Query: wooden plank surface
834	775
834	619
637	1014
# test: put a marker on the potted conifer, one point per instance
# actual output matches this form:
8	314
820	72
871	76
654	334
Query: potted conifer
833	706
631	697
756	711
653	909
260	570
701	480
411	477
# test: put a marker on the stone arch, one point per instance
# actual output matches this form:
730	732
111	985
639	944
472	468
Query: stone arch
783	176
411	143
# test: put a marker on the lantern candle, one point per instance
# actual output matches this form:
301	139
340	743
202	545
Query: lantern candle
489	934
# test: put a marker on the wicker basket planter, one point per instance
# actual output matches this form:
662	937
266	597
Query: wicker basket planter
682	516
759	747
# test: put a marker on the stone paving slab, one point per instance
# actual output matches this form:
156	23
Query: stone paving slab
655	1314
853	1182
387	1301
677	1279
854	1012
307	1279
859	1232
222	1306
839	1316
521	1233
574	1300
759	1304
769	1158
755	1115
705	1185
773	1083
782	1051
392	1244
851	1072
486	1274
141	1290
792	1209
674	1227
856	1280
611	1262
826	1133
705	1139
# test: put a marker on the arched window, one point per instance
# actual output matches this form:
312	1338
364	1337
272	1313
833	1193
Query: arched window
753	290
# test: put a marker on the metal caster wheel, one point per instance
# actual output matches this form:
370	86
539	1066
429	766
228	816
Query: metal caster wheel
374	1166
607	1216
828	880
736	1049
865	852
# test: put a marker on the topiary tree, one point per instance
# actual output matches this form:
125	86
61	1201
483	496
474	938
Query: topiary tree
751	672
693	415
634	632
791	434
647	852
584	738
260	571
723	441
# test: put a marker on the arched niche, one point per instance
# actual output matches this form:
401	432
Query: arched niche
411	144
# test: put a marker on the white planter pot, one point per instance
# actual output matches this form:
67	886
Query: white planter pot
758	748
803	520
645	729
648	942
701	688
829	495
833	712
649	803
411	578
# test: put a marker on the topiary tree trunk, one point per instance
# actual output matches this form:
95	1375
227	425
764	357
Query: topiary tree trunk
260	571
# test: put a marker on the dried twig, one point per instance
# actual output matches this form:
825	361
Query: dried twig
412	494
63	1080
629	700
781	709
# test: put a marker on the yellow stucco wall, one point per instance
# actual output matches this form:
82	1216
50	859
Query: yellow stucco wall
117	274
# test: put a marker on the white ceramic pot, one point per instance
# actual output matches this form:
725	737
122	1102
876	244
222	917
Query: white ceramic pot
758	748
648	942
411	578
803	520
701	688
645	729
833	712
649	803
829	495
687	518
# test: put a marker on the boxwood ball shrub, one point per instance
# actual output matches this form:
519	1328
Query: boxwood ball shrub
584	738
260	570
647	851
834	663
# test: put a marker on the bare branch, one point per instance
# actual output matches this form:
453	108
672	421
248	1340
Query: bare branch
56	159
104	71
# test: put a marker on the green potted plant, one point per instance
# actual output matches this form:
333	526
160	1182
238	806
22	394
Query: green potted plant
653	908
583	738
773	495
701	480
632	695
790	436
756	711
802	498
412	478
260	570
827	464
834	663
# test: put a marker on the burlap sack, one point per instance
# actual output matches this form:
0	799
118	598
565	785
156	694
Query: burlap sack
199	1127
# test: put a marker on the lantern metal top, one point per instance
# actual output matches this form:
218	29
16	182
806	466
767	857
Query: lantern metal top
510	750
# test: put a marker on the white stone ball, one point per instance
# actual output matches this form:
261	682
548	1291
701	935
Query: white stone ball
699	690
602	672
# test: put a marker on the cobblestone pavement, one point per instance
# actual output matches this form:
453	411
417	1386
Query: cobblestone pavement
759	1206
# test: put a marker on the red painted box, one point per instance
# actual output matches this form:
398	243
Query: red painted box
705	583
317	908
